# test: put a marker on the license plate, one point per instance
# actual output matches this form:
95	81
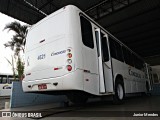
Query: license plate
42	86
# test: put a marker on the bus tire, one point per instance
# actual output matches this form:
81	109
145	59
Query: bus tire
119	95
147	89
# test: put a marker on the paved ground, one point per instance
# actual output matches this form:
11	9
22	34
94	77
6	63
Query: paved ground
2	102
92	110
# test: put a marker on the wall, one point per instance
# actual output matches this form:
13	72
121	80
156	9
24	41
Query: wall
21	99
156	89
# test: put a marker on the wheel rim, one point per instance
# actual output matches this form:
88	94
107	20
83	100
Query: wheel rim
120	91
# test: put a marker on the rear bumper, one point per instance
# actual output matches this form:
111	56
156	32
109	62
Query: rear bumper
70	81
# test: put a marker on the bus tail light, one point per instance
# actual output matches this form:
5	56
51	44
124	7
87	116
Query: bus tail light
69	61
56	68
69	55
69	67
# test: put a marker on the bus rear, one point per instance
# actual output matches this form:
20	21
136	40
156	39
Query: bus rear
49	55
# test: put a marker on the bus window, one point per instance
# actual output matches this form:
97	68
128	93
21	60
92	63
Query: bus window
139	64
127	56
10	79
4	80
119	51
97	41
104	49
86	29
131	59
1	79
155	77
112	48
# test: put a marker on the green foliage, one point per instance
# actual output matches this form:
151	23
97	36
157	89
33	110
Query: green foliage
20	68
18	40
17	44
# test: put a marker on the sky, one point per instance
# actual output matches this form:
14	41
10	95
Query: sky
5	36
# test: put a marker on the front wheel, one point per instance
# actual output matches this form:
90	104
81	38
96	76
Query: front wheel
118	98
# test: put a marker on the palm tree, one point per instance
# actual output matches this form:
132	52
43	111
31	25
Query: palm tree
17	43
18	40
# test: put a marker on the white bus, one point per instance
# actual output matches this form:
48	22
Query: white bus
69	53
5	84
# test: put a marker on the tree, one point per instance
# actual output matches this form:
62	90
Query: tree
18	40
20	68
17	43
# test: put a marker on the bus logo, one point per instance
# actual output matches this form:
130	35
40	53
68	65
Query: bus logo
57	53
135	74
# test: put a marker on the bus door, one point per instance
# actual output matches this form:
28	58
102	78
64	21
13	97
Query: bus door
107	65
104	62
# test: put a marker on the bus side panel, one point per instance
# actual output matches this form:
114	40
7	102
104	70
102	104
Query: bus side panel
84	57
5	89
132	84
122	69
73	81
74	36
74	41
141	82
90	67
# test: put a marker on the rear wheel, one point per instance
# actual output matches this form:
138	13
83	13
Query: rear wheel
118	98
147	87
78	97
147	93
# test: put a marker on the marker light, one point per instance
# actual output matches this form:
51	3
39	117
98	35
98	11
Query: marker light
68	50
69	55
69	67
56	68
69	61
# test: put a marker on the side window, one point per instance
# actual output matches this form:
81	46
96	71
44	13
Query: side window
119	52
10	79
138	63
112	48
1	80
141	64
131	59
86	29
116	50
4	80
97	42
104	48
155	77
128	56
